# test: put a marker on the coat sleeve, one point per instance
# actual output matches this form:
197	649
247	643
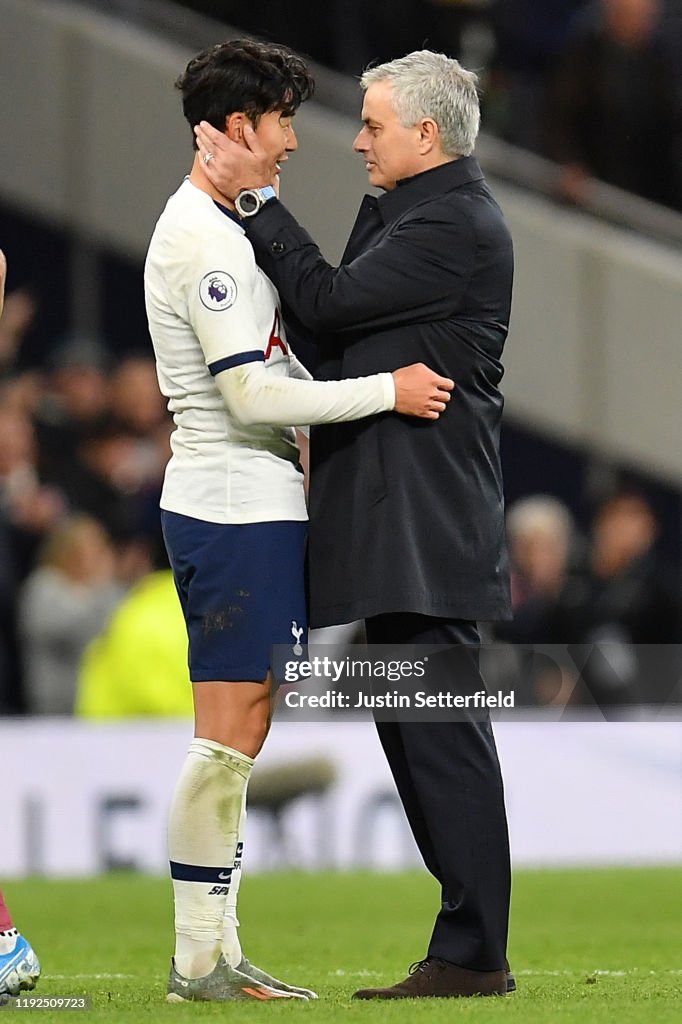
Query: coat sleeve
425	258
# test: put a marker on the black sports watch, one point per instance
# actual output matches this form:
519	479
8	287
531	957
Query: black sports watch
251	200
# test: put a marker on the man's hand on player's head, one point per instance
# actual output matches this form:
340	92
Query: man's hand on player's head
420	391
233	167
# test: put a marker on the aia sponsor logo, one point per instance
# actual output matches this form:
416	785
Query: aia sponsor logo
275	340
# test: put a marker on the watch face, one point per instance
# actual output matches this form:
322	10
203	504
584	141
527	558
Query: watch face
247	203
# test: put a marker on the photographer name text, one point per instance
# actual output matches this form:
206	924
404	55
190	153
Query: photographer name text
394	699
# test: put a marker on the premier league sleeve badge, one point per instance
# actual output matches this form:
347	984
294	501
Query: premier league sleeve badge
217	291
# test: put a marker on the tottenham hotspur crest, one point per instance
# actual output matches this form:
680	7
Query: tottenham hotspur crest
297	633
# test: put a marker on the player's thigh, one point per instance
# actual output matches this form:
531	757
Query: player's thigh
242	591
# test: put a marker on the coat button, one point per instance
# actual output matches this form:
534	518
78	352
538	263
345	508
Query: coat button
277	247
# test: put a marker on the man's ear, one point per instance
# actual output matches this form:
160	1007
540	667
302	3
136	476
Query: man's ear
429	135
234	126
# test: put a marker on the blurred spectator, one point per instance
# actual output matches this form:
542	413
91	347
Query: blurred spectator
17	315
75	400
64	452
301	24
371	31
135	398
614	111
18	388
74	406
77	387
109	452
540	532
529	39
63	604
104	441
140	409
621	596
119	484
623	582
30	507
26	507
138	666
458	28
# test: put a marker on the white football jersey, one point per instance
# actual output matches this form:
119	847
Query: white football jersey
210	308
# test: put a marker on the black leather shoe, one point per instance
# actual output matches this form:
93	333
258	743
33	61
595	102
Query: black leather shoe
435	978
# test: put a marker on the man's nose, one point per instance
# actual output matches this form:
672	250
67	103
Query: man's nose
360	145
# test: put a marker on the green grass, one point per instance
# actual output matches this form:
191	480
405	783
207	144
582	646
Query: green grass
586	946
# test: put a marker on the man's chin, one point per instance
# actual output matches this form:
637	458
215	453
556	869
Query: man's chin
377	180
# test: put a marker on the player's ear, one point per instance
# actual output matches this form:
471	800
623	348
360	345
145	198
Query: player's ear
234	126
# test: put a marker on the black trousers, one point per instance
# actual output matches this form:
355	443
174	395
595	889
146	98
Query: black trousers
448	778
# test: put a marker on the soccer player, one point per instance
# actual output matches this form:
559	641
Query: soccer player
19	965
233	505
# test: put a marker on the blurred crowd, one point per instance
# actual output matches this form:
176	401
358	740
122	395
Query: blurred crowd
89	619
595	85
605	608
85	440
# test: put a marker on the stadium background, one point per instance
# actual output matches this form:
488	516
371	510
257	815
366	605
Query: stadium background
92	145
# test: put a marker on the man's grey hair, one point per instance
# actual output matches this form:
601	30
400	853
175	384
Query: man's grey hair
540	514
427	84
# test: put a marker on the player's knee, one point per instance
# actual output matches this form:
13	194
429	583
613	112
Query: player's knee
254	728
237	723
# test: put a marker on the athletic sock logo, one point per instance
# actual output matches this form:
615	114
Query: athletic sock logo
199	873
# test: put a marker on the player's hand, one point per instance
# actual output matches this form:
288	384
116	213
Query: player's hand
420	391
233	167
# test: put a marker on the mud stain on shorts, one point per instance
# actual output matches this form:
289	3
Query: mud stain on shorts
224	618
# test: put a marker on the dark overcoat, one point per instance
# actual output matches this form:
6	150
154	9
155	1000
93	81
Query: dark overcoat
406	514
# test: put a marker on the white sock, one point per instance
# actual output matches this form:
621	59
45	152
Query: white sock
231	947
202	840
8	941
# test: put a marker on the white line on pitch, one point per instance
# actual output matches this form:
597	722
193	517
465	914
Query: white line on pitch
529	973
74	977
340	973
592	971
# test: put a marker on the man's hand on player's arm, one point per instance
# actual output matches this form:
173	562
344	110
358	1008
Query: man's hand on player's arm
420	391
231	167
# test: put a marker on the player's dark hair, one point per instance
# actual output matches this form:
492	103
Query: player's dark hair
245	75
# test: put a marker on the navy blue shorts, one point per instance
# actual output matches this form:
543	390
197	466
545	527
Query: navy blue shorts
241	588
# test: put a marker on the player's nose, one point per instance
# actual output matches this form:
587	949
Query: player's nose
292	141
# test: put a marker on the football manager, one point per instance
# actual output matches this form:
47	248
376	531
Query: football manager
407	519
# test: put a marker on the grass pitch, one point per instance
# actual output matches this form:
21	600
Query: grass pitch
586	946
